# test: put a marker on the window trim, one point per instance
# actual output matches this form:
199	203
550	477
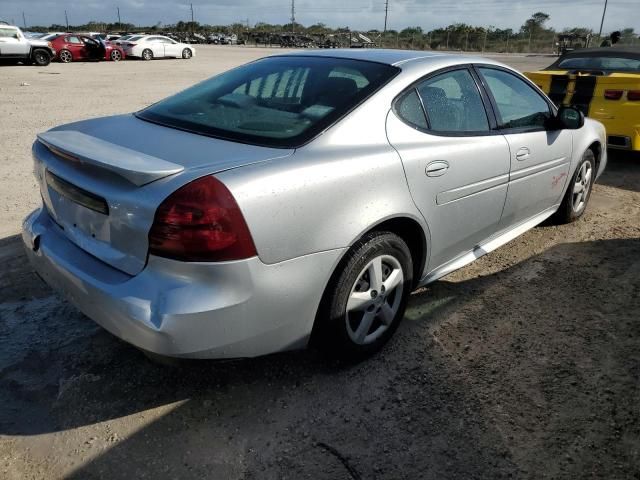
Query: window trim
494	105
488	107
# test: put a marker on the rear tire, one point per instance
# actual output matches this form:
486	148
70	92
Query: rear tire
116	56
147	54
367	297
578	192
41	57
65	56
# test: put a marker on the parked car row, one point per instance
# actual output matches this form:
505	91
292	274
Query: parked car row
67	47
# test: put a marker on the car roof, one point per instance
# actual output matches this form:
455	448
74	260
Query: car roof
626	50
387	56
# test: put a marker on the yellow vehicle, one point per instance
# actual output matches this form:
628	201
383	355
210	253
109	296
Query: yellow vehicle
602	82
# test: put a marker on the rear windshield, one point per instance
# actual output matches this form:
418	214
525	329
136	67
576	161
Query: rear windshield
617	64
277	101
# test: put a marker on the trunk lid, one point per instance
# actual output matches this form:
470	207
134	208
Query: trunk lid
102	180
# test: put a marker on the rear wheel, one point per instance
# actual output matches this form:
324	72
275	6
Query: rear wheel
65	56
579	191
186	53
41	57
367	298
147	54
116	56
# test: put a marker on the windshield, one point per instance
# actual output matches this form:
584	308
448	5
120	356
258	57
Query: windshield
618	64
278	101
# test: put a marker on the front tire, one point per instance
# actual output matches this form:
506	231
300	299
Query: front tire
367	297
186	53
41	57
578	193
147	54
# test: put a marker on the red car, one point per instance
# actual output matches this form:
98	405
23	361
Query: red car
72	47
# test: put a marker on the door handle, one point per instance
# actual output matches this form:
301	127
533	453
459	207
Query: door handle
437	168
523	154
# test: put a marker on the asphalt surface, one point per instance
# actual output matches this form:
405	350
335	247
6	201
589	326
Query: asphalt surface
525	364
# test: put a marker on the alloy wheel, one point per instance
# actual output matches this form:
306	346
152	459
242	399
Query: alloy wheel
581	187
65	56
116	56
374	299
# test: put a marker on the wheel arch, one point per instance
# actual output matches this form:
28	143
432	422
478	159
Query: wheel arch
415	235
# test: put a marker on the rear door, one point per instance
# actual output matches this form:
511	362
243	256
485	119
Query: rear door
539	158
156	45
457	167
76	46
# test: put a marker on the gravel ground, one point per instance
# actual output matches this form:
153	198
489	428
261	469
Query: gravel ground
525	364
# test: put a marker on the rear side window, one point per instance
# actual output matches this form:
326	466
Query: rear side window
519	105
452	103
74	40
277	101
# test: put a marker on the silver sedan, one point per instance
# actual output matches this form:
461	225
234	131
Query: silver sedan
300	198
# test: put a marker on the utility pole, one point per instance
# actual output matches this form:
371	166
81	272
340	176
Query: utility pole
66	19
386	15
484	43
603	14
191	12
293	16
119	21
24	20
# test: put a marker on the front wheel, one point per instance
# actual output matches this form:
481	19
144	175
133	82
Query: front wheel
41	57
147	54
578	193
186	53
367	298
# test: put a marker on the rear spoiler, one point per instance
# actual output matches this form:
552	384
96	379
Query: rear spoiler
136	167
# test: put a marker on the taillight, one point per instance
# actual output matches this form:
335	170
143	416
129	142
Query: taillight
633	95
613	94
129	44
201	222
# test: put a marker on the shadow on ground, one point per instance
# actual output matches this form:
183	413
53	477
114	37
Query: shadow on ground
531	372
623	170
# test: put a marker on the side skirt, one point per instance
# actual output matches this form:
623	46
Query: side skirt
487	246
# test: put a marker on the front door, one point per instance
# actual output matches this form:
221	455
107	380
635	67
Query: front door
456	166
12	43
540	158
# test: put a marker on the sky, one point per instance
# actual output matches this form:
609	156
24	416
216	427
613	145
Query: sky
357	14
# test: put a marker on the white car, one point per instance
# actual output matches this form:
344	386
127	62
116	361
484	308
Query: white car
149	47
15	46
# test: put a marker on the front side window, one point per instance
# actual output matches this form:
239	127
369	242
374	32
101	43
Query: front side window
277	101
519	105
8	33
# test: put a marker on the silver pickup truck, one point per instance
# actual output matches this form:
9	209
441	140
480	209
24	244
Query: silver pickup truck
15	46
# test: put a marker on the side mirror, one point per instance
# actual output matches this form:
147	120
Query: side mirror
570	118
